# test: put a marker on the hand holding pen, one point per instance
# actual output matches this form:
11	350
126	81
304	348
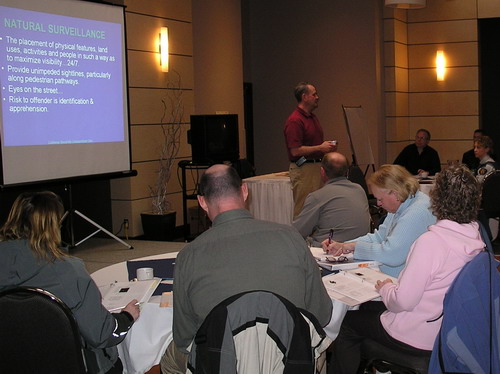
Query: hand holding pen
327	244
133	309
332	247
336	248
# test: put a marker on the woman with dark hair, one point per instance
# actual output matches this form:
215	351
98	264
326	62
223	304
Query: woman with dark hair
414	305
30	256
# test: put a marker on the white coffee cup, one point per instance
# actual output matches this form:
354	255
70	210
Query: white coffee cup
144	274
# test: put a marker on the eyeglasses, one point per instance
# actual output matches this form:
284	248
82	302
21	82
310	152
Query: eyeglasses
336	259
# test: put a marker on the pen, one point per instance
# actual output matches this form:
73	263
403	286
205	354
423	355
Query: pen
120	308
330	236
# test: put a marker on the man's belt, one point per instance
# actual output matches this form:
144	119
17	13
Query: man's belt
301	161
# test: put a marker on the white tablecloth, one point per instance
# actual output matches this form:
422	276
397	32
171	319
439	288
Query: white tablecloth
270	197
150	335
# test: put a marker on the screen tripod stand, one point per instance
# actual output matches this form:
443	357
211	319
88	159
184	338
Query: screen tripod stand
70	215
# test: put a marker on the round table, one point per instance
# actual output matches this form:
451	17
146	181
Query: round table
150	335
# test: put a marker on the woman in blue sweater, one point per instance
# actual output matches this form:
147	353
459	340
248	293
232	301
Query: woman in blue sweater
409	216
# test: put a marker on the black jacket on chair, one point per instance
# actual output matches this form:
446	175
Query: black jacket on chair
257	332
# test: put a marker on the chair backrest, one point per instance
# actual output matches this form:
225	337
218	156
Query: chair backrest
355	175
257	332
491	193
469	339
38	334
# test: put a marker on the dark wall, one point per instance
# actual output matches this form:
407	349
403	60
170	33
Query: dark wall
93	199
489	63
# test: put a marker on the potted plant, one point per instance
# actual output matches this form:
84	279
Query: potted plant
159	224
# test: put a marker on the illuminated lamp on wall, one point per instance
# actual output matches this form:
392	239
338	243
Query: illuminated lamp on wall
405	4
440	65
164	49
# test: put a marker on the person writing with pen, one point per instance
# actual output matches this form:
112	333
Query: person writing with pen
31	256
409	216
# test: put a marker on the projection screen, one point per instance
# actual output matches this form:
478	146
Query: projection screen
64	104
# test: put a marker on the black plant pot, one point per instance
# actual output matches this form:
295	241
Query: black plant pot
160	227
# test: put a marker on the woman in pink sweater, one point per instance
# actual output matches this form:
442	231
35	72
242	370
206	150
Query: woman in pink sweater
414	305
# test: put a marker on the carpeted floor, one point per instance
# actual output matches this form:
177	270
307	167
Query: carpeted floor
98	253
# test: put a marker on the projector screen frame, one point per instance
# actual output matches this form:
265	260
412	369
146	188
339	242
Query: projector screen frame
125	166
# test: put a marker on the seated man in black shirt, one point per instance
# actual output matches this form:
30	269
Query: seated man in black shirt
419	157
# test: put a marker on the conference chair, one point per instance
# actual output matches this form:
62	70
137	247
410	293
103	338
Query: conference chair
355	175
257	332
377	214
384	359
469	339
38	334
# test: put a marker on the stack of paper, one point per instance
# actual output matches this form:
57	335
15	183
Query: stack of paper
354	286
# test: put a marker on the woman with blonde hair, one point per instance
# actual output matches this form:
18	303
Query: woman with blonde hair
31	256
409	216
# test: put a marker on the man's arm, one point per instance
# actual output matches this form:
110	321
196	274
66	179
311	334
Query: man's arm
435	163
307	150
308	218
184	323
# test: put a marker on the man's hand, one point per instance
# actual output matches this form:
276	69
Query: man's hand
327	146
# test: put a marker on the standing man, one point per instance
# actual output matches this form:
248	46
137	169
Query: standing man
419	157
305	144
340	205
238	254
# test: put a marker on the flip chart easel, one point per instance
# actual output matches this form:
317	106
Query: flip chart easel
357	130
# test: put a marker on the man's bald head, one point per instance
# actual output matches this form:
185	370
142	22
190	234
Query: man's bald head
220	190
219	181
335	165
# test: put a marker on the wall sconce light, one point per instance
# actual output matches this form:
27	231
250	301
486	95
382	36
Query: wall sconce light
405	4
440	65
164	49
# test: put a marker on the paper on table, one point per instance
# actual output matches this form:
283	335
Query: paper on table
332	263
351	263
319	254
355	286
121	293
